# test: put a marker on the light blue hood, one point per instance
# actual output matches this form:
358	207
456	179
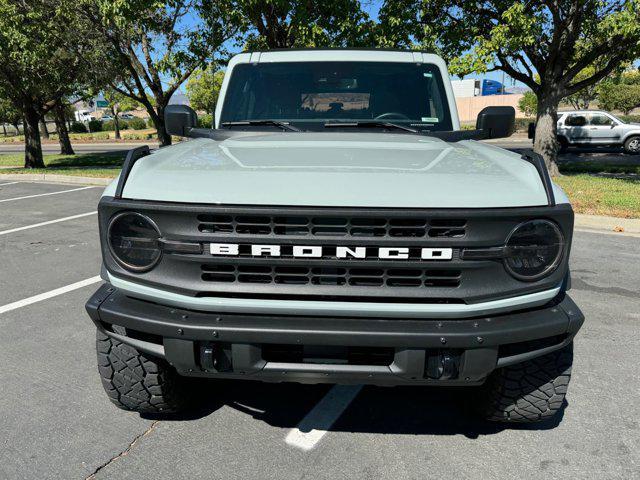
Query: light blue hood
336	170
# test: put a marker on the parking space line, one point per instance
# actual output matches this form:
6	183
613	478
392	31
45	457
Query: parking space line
319	420
9	183
47	295
42	224
45	194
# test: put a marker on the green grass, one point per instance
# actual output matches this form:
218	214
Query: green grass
68	161
598	167
617	197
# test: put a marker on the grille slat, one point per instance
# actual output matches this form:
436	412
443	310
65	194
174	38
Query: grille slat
395	227
321	276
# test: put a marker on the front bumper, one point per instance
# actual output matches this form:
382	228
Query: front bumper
419	351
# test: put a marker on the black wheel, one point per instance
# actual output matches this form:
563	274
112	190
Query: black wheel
632	145
564	145
137	381
530	391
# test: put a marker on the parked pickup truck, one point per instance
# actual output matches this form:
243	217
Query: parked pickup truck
336	226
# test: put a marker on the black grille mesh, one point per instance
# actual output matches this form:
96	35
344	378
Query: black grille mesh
337	226
331	276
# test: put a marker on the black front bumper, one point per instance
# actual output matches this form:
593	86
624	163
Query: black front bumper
444	352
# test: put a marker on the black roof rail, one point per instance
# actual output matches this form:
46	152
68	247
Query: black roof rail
133	156
537	161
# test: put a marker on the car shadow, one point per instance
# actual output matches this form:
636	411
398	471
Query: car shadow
383	410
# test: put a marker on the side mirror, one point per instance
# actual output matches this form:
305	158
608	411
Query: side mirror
179	120
497	122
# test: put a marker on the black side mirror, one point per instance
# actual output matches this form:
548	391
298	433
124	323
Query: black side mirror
179	120
497	122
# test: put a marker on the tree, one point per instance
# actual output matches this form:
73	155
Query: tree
203	89
583	98
556	40
528	104
156	45
273	24
60	113
118	103
621	94
44	51
9	114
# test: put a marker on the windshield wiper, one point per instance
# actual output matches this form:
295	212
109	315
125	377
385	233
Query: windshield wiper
254	123
370	124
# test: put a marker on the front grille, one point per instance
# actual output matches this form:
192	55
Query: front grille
335	226
331	276
347	274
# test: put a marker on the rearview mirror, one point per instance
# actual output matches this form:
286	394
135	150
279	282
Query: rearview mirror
179	120
497	122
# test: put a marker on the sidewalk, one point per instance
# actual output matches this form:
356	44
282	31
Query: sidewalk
614	225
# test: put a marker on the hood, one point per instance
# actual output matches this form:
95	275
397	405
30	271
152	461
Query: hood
336	170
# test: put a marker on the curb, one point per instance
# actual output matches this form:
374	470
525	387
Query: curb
53	178
610	225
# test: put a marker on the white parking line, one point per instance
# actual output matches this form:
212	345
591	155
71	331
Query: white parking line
44	194
42	224
315	424
45	296
9	183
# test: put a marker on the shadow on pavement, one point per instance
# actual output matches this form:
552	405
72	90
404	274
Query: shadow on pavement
382	410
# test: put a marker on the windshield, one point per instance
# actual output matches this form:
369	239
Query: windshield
310	94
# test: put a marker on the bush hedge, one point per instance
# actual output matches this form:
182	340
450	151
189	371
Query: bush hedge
95	125
629	118
205	121
137	124
77	127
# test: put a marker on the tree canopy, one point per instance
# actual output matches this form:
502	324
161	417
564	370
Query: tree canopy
554	40
203	88
46	53
156	45
268	24
622	93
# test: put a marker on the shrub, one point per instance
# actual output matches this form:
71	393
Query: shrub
95	125
77	127
629	118
137	136
108	126
205	121
137	124
522	124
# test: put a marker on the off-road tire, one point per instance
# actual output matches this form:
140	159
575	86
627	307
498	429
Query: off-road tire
137	381
528	392
632	145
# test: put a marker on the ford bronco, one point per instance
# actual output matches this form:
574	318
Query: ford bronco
336	225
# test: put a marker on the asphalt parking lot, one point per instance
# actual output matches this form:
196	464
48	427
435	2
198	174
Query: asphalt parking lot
57	423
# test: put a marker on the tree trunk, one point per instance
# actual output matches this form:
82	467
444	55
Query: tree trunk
17	127
32	146
63	133
116	122
546	143
45	132
158	121
4	129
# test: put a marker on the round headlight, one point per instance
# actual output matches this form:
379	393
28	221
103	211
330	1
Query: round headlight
133	241
534	249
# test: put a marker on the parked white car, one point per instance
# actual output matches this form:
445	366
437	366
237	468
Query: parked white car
595	127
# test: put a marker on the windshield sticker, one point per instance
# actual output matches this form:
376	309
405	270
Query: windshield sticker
430	119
